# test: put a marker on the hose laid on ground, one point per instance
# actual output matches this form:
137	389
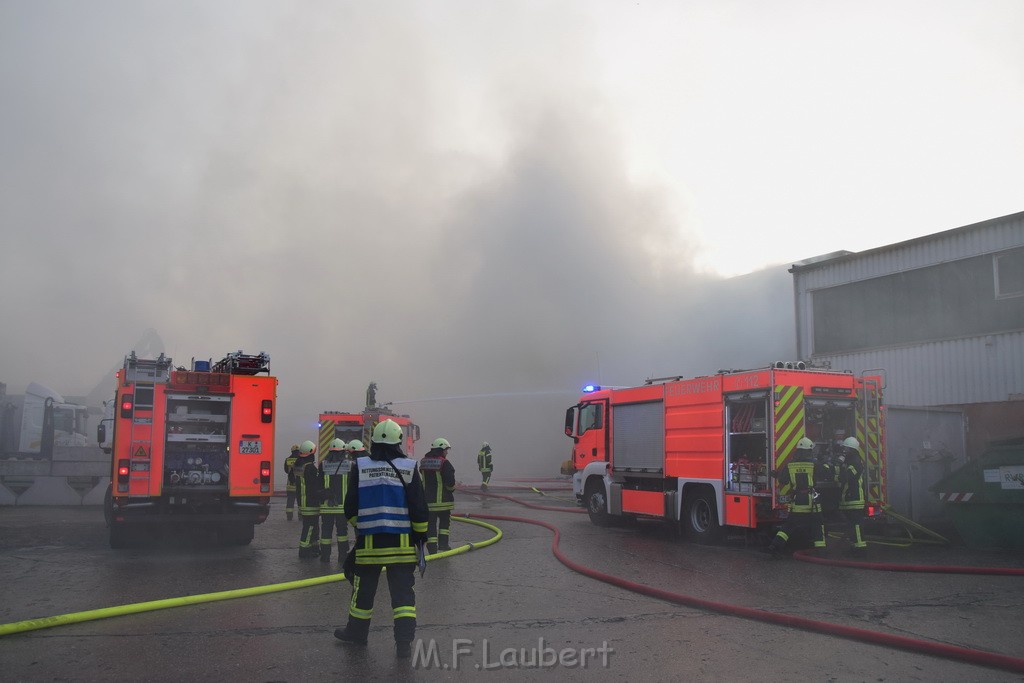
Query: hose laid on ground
520	502
808	556
106	612
954	652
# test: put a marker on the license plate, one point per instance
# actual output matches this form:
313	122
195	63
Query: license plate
250	447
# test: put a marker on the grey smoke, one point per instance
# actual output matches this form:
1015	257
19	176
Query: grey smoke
278	181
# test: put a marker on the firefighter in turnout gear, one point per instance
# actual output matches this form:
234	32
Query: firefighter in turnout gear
289	462
334	469
385	502
804	513
851	496
308	489
438	476
485	463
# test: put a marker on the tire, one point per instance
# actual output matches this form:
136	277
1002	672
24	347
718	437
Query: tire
597	505
236	534
108	505
701	518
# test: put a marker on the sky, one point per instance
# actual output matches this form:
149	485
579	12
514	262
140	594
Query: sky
479	206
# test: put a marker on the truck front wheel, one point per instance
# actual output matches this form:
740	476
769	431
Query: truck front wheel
597	504
701	518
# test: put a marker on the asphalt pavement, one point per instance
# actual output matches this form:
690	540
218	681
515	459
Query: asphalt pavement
510	611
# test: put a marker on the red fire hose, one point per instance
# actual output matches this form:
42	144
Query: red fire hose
980	657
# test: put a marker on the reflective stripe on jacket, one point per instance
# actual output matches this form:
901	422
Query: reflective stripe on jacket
438	476
382	503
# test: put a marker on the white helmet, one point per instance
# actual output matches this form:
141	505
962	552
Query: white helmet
851	442
440	443
805	444
355	445
337	445
307	448
387	431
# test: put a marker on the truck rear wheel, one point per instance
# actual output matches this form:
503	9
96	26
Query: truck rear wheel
701	518
597	504
236	534
108	505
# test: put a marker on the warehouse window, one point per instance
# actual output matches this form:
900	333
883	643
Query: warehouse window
945	301
1008	271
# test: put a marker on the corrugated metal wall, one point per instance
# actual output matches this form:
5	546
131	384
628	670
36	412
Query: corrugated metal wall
948	372
953	372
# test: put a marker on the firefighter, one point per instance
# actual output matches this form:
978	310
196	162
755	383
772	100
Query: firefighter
851	492
385	503
438	477
826	483
308	489
485	463
334	469
289	462
804	514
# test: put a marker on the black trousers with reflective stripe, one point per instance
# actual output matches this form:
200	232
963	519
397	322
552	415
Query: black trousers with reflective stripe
401	579
439	524
310	534
329	521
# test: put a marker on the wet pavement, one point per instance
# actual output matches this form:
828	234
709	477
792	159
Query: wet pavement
511	611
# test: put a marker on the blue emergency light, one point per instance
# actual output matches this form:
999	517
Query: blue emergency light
591	388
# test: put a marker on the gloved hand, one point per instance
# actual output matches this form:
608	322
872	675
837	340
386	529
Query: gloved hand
418	537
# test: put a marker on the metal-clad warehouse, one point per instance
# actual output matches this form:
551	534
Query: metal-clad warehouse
943	316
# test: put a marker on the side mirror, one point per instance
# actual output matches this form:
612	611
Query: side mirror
101	433
570	423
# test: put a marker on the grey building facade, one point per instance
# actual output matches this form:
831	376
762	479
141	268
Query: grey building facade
943	317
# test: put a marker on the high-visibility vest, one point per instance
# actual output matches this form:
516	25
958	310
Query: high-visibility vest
439	496
335	469
800	475
483	461
383	508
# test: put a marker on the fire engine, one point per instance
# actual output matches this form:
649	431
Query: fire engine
191	446
700	452
349	426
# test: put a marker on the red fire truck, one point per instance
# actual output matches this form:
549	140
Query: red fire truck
700	451
348	426
191	446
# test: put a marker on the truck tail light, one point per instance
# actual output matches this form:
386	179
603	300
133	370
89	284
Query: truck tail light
123	470
127	403
265	476
267	411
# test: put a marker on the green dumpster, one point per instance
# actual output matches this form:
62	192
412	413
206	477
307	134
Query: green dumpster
985	498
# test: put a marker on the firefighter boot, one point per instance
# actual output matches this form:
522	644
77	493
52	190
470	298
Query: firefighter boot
774	548
325	553
354	633
289	515
342	551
